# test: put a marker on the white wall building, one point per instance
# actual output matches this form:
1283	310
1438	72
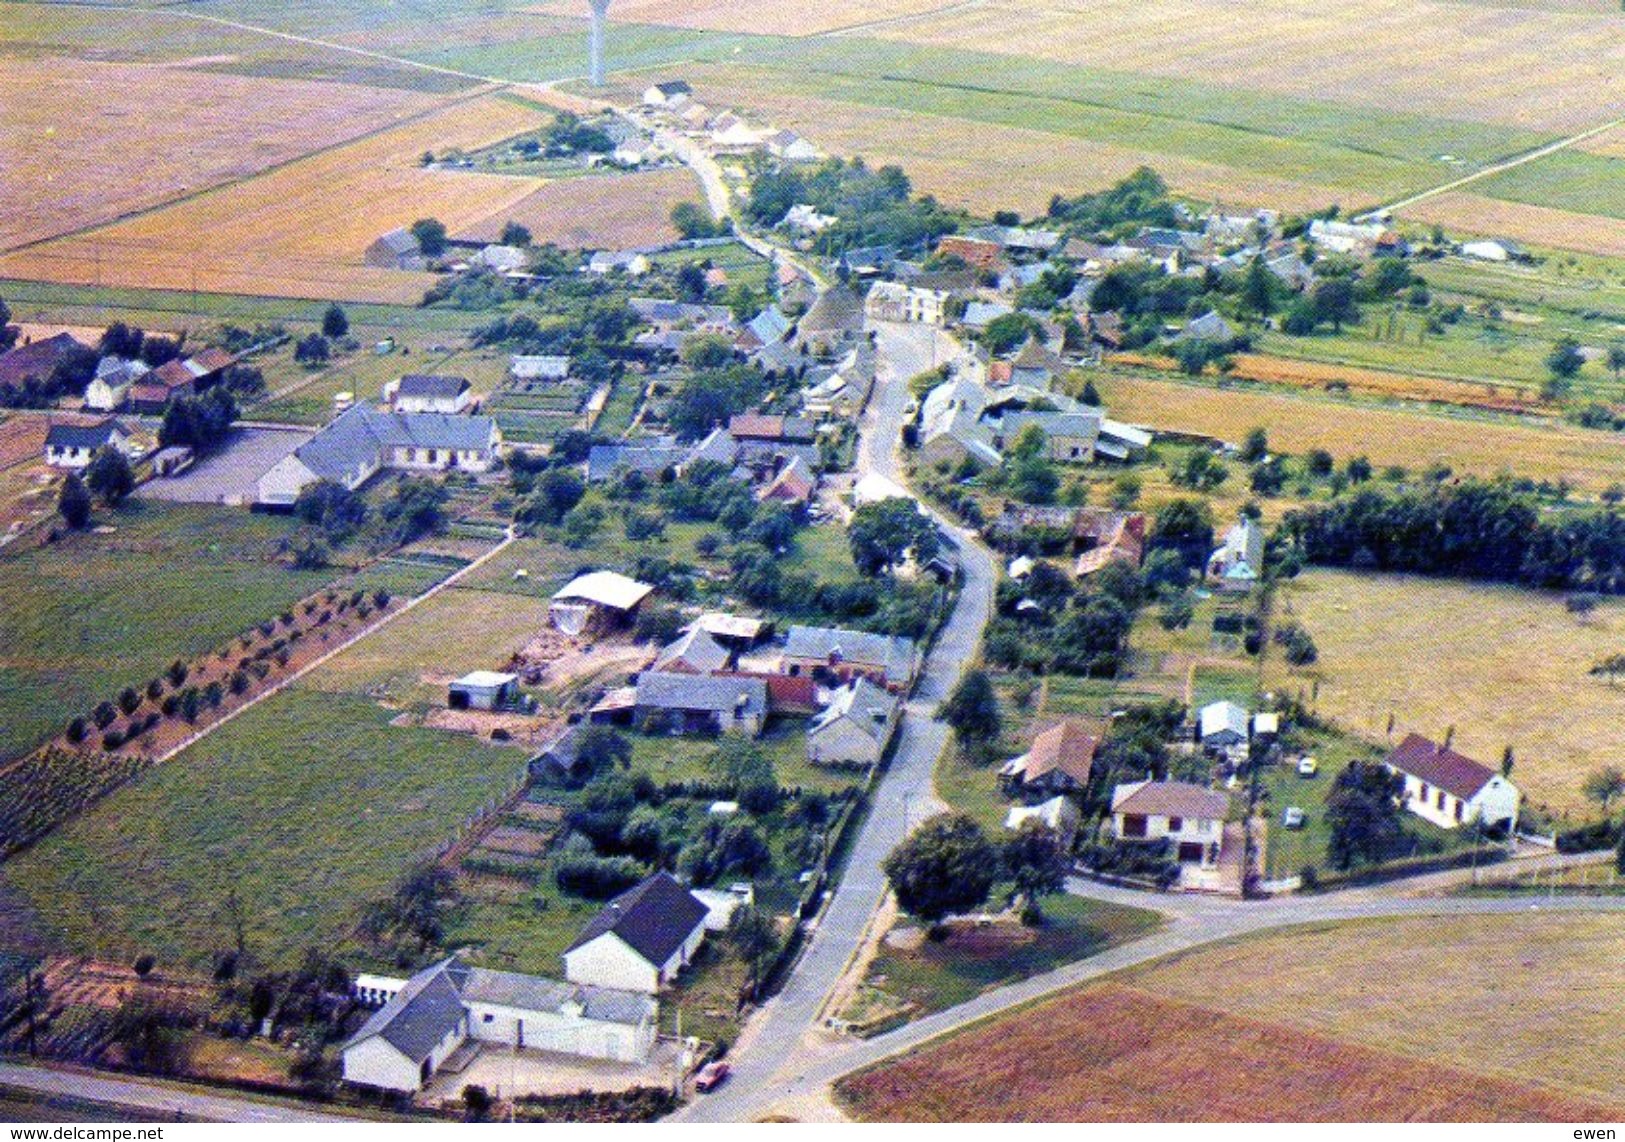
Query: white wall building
1190	816
641	940
894	301
1450	789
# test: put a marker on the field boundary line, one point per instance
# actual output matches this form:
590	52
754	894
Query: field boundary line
282	684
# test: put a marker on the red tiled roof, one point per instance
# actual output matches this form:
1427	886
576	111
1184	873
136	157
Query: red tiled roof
1066	746
1172	799
755	426
36	359
972	251
1442	768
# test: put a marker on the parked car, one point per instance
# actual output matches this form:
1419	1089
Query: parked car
1308	767
1293	818
711	1076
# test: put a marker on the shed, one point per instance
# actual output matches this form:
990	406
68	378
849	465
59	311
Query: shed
483	690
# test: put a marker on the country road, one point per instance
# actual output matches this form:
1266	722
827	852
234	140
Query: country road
904	795
158	1101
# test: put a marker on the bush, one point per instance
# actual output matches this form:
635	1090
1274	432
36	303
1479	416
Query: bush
112	739
1590	838
598	878
76	731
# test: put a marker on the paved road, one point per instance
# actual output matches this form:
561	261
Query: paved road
903	796
164	1103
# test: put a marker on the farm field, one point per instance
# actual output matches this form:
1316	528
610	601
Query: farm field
93	613
65	122
308	806
778	19
1503	665
1413	438
611	212
1477	213
293	231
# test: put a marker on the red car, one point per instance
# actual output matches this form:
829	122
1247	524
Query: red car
711	1076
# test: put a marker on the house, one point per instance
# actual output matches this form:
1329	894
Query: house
869	261
1222	726
1347	237
768	327
640	940
419	392
951	426
1113	537
1450	789
1069	437
893	301
1190	816
483	690
1059	761
35	360
111	385
739	632
396	250
1238	564
362	441
650	457
794	484
831	652
152	392
834	319
696	704
1494	250
758	426
804	217
980	314
975	252
841	389
664	94
1035	366
692	652
595	601
790	147
1208	327
73	446
1060	815
423	1021
500	259
856	727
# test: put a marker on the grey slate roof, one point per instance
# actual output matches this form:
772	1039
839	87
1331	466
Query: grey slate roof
82	435
858	703
536	993
893	654
422	1014
361	434
432	387
604	461
654	918
695	648
702	692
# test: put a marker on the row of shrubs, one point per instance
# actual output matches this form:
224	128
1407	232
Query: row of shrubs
1314	879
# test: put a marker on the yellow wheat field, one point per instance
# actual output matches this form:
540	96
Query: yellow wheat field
771	19
301	230
1463	211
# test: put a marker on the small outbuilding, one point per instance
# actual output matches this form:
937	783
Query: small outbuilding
595	601
483	690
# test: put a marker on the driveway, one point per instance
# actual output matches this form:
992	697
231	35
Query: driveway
230	476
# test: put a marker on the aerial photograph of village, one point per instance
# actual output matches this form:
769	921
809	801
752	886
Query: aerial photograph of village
886	561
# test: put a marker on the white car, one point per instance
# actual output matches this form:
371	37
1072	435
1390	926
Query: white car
1293	818
1308	767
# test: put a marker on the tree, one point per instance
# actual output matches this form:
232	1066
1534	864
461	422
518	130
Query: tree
431	236
1604	785
334	322
330	506
1565	359
559	490
754	937
692	221
109	477
1258	289
1037	864
1255	446
1363	812
972	710
882	534
947	865
312	350
1333	300
514	234
1616	359
74	502
1184	527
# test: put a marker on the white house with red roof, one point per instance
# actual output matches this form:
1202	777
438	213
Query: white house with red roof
1450	789
1190	816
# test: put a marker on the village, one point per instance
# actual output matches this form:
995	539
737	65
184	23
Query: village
815	595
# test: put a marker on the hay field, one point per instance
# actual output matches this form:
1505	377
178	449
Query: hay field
1542	70
615	212
1446	995
1466	212
1412	438
784	18
301	229
1505	666
1114	1053
66	124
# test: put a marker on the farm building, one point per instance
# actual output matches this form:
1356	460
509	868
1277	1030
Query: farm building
35	360
1069	436
595	601
362	441
1450	789
532	367
73	446
977	253
483	690
790	147
856	726
697	703
1059	761
692	652
834	319
1190	816
648	457
557	759
641	939
396	250
835	653
152	392
425	1020
951	426
419	392
1494	250
111	385
664	94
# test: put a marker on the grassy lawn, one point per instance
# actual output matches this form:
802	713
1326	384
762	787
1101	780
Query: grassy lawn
82	618
667	758
308	806
939	975
1288	851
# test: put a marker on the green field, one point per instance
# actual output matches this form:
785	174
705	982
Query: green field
83	618
308	806
1566	180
